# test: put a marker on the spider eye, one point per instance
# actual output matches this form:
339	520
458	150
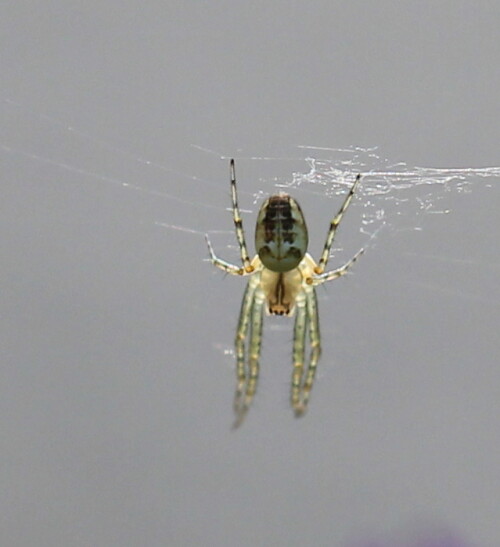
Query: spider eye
281	234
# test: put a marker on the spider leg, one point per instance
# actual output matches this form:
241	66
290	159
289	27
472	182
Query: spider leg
241	337
222	264
333	274
227	267
307	317
299	342
320	268
246	388
314	335
238	223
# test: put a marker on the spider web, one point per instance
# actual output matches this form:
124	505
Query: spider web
395	195
385	186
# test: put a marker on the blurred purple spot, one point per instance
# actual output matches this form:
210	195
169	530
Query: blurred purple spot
448	541
438	541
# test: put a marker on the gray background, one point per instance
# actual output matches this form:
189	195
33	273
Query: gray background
116	371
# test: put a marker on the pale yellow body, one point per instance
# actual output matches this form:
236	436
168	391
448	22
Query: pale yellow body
281	288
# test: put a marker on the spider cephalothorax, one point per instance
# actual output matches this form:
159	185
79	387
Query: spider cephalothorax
283	277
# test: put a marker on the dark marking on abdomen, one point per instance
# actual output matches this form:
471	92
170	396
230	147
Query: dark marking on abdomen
279	217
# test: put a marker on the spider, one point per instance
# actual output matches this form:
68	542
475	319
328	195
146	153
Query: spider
283	277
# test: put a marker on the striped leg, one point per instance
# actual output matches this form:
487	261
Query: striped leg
247	267
222	264
241	338
245	396
320	268
238	224
299	342
314	334
333	274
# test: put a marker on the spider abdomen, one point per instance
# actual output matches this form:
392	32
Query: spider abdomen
281	233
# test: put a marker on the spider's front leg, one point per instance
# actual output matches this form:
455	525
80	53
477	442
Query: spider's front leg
307	319
251	318
299	346
315	340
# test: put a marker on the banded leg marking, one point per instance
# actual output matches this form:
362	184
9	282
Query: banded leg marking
338	272
238	223
299	342
244	397
320	268
315	337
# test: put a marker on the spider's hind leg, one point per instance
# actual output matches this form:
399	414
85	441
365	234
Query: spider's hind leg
334	224
238	223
